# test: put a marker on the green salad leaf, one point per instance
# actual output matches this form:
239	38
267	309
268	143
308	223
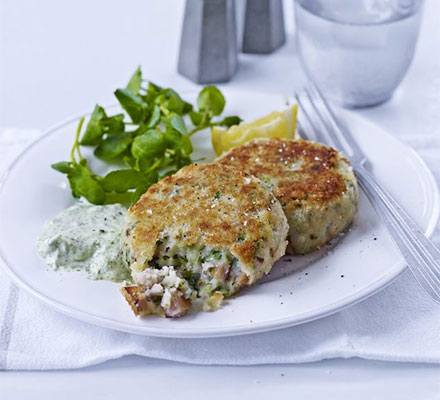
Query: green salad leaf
136	108
211	100
84	184
113	125
62	166
94	131
135	82
113	145
148	145
121	180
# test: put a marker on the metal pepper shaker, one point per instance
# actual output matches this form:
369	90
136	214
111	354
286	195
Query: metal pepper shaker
208	47
263	26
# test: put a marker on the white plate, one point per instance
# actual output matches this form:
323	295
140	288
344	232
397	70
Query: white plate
361	263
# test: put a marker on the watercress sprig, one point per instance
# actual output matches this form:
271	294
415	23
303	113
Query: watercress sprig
153	143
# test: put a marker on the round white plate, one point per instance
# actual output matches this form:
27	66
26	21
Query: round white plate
299	289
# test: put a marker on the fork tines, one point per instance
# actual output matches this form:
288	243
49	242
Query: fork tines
323	123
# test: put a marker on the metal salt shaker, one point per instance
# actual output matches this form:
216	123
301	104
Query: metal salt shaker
208	47
263	26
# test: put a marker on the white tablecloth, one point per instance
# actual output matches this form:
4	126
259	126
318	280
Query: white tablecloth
399	323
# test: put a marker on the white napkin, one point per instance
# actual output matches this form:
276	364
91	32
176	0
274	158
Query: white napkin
398	324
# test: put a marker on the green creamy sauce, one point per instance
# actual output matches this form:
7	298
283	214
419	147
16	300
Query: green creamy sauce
86	238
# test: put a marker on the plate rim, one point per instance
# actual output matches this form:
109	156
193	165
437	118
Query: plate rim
395	271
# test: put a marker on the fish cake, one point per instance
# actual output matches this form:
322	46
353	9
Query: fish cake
314	183
201	234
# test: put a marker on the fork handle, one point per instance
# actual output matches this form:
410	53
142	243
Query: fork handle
422	257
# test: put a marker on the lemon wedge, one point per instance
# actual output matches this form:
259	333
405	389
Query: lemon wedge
280	124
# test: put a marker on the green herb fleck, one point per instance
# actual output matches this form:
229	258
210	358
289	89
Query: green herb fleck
192	278
241	237
217	254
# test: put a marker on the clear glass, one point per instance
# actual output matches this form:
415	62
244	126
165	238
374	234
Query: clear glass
357	51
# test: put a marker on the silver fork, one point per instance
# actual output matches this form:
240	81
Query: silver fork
422	257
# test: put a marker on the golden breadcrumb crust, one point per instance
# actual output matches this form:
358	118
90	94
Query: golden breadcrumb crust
299	170
213	203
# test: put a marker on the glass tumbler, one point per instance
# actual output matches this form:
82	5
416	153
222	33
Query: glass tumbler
357	51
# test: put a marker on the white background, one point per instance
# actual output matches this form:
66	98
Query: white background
58	58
